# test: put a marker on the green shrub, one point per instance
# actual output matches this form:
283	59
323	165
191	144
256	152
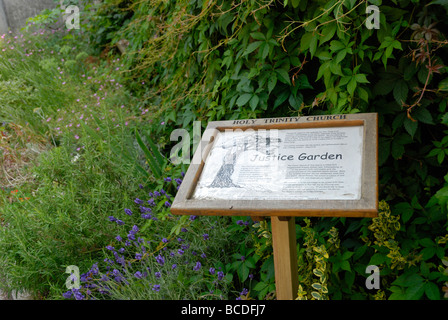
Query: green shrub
215	60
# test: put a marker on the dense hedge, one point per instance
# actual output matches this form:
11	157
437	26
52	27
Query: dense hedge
212	60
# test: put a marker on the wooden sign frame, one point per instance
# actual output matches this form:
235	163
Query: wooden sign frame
365	206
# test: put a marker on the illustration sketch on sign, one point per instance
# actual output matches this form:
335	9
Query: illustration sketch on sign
234	149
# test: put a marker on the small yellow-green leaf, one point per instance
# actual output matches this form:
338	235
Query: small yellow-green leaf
316	295
317	286
319	273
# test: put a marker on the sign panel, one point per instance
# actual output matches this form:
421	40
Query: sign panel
297	166
290	164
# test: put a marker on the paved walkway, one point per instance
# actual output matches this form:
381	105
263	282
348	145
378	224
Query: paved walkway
4	296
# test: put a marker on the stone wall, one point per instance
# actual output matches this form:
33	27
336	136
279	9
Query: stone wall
13	13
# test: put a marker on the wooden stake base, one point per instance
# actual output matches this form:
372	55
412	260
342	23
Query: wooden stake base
285	257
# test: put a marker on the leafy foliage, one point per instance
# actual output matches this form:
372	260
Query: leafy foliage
213	60
223	60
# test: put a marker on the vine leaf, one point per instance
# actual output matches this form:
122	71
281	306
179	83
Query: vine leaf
401	92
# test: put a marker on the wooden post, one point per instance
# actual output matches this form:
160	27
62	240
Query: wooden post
285	257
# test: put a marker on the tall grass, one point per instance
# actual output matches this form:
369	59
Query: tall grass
57	216
29	91
158	256
103	155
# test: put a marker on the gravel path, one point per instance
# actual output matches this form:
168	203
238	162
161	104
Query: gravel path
3	296
14	295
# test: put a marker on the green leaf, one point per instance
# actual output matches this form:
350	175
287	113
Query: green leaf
416	291
409	71
260	286
317	286
243	99
250	262
324	67
281	98
397	45
427	242
318	273
423	115
412	280
405	210
295	101
347	255
363	94
422	75
441	156
401	92
295	3
336	45
305	41
313	45
443	85
258	36
441	2
398	293
323	55
341	55
243	272
302	82
345	265
428	253
309	42
252	47
350	278
361	78
283	76
360	251
410	126
265	51
432	291
350	4
327	32
254	102
336	68
383	87
351	86
377	259
272	82
316	295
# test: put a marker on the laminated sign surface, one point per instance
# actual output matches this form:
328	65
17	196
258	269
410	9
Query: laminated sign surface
290	164
294	166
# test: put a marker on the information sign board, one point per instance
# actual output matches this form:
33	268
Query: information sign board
294	166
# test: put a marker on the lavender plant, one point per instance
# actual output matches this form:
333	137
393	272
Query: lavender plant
159	256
